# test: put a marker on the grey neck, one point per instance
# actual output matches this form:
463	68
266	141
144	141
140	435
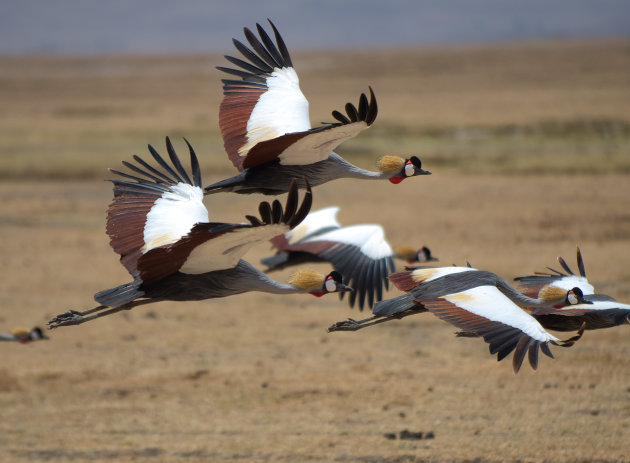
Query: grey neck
520	299
352	171
259	281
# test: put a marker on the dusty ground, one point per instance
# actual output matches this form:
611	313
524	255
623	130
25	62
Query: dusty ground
256	377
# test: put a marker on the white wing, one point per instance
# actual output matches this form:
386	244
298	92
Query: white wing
316	221
368	238
173	216
264	116
490	303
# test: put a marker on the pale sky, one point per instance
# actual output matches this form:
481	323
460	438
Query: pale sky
130	26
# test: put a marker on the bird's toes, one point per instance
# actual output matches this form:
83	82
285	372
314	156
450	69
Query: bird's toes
346	325
70	317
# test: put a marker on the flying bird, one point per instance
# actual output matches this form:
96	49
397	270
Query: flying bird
24	335
159	225
532	285
359	252
266	129
477	301
597	312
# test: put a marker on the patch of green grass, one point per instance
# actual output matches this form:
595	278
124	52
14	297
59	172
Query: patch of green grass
598	146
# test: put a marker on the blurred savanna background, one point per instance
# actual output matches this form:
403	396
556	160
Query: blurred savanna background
522	113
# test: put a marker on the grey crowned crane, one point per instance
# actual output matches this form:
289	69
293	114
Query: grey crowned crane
479	302
597	312
24	335
359	252
159	225
264	121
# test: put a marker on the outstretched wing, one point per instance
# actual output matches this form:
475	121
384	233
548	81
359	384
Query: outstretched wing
597	311
154	206
486	312
320	221
360	253
532	284
264	116
217	246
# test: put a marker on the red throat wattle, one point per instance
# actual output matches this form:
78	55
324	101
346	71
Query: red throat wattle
317	293
397	179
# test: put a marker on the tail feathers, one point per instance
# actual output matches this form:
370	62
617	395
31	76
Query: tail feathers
276	261
396	305
119	295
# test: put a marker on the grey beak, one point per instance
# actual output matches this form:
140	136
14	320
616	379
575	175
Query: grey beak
341	287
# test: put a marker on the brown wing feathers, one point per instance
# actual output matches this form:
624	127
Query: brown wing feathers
240	96
136	195
269	150
163	261
502	339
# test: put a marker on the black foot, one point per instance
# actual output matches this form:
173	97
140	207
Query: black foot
71	317
346	325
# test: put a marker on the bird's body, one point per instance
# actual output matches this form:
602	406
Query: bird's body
265	125
479	302
23	335
244	277
273	178
599	310
158	224
359	252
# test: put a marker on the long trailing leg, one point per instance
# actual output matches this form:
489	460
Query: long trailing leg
74	317
355	325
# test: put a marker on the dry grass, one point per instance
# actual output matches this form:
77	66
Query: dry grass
559	106
255	377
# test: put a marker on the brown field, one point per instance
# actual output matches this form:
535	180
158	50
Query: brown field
530	151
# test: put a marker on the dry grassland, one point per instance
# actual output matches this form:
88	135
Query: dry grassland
537	141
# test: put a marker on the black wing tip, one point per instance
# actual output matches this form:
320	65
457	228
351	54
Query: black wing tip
564	265
580	263
305	207
274	213
194	165
150	175
366	111
265	55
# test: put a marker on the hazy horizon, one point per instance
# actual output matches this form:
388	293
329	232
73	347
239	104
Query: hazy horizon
156	26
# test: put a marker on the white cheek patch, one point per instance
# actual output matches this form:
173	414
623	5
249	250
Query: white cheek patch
331	285
572	298
409	170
